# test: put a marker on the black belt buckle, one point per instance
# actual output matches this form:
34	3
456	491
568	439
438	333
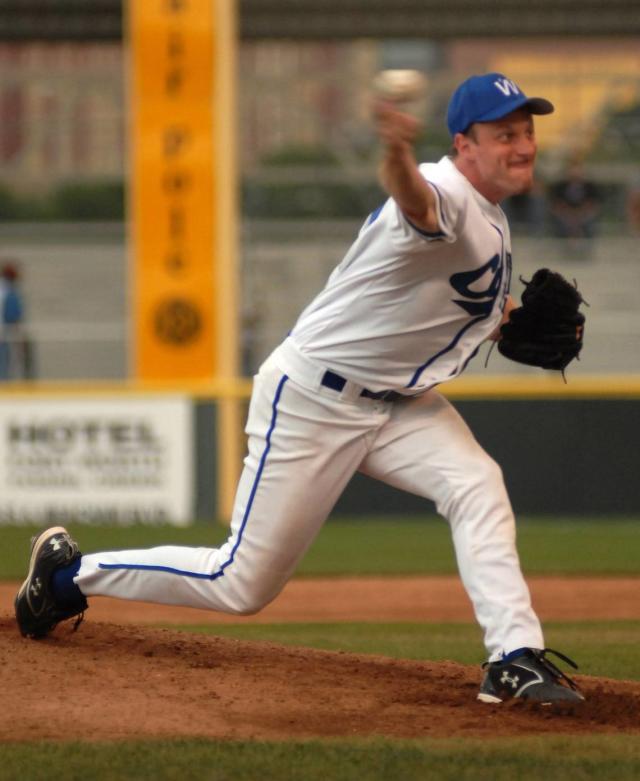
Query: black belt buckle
336	382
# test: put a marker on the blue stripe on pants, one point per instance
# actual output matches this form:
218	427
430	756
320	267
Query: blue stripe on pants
220	572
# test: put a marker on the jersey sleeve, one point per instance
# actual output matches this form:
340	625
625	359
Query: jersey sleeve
448	206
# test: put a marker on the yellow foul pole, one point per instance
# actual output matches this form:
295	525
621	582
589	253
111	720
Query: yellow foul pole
230	444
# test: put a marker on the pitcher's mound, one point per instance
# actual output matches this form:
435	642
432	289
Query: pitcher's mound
108	681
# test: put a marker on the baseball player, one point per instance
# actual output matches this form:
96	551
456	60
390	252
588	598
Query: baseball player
353	388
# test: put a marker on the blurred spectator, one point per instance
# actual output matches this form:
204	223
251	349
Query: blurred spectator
575	207
15	349
528	211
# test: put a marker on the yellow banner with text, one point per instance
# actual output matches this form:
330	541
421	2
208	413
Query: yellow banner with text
173	188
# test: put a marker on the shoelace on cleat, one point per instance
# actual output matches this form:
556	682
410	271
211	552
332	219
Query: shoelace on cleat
541	656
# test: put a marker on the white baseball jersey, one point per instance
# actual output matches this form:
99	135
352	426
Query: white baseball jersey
406	310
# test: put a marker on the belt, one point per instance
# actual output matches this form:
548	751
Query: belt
336	382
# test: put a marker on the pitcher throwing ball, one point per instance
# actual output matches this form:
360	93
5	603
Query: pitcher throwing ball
353	388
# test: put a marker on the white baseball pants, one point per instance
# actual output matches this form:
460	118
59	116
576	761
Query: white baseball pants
305	443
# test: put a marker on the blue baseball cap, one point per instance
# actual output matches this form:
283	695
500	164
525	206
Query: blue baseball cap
487	98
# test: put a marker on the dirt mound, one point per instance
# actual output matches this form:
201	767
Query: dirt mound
108	681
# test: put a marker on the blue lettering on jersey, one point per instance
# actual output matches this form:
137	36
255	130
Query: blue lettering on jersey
478	303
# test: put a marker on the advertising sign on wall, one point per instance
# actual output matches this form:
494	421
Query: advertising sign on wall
96	461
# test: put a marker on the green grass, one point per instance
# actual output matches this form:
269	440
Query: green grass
609	757
570	546
384	546
601	648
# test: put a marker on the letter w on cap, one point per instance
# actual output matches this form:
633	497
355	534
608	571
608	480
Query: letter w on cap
506	86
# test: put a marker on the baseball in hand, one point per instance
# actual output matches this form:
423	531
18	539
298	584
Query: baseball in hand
400	86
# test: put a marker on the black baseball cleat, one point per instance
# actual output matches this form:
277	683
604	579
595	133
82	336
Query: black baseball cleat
529	676
37	611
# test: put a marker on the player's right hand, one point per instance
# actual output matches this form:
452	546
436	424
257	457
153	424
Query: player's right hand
395	127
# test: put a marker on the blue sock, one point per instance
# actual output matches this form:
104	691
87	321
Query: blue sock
513	655
65	591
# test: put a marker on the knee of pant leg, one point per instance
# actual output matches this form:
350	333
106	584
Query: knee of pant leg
245	610
481	473
246	605
249	601
490	472
478	477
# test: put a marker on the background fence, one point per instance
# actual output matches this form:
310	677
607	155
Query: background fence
308	160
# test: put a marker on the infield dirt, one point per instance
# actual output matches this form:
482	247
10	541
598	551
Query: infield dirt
114	679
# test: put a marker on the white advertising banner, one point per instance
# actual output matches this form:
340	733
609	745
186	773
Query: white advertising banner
125	460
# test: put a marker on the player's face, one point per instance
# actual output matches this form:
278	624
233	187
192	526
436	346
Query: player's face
501	155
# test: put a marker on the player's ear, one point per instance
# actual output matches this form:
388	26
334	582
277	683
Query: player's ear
462	143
